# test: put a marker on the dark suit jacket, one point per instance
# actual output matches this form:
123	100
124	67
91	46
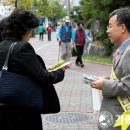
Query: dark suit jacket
25	61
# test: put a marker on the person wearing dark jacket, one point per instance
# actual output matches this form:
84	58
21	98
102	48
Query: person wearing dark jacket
2	25
24	61
41	31
79	42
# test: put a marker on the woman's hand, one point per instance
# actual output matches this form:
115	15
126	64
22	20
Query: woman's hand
66	67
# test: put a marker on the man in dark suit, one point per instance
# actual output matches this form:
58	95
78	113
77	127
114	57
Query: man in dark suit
116	90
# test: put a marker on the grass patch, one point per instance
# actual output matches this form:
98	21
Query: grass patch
101	59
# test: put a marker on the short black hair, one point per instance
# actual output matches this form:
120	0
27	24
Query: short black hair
79	22
123	16
19	22
2	27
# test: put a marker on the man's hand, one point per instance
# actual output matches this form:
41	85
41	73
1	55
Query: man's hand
59	43
98	83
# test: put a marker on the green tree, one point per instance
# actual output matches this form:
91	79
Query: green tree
41	7
24	4
75	14
55	9
48	8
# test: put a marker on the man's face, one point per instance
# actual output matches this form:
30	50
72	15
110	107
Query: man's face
114	30
67	23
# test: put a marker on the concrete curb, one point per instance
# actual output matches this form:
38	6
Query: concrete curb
94	62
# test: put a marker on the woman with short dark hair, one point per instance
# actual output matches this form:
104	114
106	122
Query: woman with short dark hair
2	25
24	61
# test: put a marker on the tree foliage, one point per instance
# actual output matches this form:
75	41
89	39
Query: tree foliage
75	14
40	7
47	8
24	4
55	9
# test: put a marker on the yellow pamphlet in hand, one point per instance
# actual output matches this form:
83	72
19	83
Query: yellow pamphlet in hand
56	65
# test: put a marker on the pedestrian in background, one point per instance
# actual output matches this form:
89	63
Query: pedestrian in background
57	28
116	90
73	25
88	35
24	61
41	31
80	40
65	35
49	30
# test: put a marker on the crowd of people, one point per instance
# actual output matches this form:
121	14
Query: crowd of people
24	61
69	35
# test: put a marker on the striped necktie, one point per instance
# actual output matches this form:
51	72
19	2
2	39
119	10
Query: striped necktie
116	56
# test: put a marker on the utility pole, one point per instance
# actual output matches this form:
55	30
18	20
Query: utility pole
16	3
68	7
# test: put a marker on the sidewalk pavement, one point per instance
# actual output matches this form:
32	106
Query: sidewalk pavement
79	102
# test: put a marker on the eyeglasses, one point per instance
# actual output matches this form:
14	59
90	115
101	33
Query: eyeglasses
111	26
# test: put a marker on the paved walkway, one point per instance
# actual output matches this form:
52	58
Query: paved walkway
79	102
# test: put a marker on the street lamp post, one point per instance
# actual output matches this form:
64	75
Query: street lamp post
68	7
16	3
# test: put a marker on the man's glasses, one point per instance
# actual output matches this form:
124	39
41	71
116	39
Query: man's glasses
111	26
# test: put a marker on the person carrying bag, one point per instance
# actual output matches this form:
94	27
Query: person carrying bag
26	86
19	90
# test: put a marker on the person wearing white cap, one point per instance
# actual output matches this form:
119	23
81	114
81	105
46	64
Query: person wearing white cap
65	35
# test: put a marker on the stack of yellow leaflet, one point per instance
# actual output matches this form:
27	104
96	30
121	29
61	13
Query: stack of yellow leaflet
56	65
